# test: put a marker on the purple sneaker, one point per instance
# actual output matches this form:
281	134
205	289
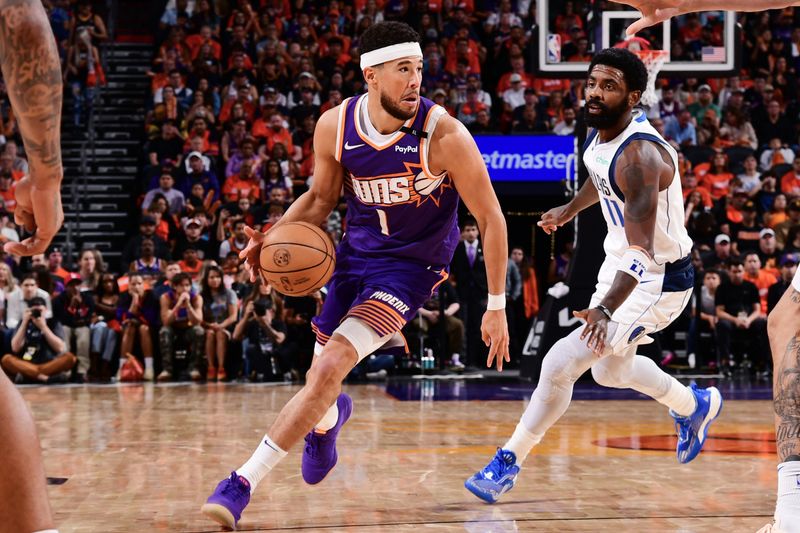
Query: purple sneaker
319	455
230	498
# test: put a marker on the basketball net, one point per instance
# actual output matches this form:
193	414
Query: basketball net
653	61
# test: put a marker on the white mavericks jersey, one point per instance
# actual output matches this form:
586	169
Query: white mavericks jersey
671	242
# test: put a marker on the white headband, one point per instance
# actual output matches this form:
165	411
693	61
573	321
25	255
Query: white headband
390	53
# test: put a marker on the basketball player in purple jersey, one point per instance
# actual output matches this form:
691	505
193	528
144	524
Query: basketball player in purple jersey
403	162
32	74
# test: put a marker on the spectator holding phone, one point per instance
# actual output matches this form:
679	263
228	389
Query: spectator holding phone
37	351
262	333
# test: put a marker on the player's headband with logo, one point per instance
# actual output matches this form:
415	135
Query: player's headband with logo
390	53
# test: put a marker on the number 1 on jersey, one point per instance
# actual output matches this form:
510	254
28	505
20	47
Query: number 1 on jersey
382	221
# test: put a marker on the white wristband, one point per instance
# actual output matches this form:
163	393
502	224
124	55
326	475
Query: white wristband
796	280
495	302
635	262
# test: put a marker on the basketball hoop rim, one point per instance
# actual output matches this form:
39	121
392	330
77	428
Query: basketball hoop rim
651	56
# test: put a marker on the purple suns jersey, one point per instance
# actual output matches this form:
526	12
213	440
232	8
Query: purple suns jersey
395	206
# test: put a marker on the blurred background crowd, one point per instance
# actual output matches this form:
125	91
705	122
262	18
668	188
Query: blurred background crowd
234	94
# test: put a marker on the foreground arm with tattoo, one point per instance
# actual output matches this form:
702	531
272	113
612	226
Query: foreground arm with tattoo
32	73
783	326
784	339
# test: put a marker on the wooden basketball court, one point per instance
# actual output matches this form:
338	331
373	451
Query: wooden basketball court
144	458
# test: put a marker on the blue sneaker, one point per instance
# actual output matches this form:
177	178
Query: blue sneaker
692	429
319	455
229	499
496	478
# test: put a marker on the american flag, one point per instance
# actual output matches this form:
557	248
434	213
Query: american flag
713	54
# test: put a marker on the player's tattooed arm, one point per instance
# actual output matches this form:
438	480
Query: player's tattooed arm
32	73
784	330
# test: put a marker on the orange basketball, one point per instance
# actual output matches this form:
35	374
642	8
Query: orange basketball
297	258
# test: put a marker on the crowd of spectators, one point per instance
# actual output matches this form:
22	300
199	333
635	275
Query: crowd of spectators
235	95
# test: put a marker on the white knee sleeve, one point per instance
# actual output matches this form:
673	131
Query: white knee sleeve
363	338
564	363
614	371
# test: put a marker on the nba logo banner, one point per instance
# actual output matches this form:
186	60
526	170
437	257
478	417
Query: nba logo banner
553	48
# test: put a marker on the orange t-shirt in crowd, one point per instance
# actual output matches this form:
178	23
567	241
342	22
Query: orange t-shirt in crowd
210	148
467	108
472	57
9	198
159	81
194	271
545	86
261	130
790	184
236	188
763	281
227	107
61	273
195	43
162	230
707	200
733	215
717	184
777	218
361	4
505	82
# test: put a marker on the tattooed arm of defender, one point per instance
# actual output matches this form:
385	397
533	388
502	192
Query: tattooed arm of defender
32	72
640	170
784	338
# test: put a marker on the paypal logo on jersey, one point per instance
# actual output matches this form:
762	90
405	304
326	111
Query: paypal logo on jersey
406	149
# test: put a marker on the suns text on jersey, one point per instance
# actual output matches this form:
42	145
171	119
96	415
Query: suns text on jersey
384	191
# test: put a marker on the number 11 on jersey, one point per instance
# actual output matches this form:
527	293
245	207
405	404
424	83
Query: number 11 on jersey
382	221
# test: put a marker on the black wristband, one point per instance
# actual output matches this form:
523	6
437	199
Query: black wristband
605	310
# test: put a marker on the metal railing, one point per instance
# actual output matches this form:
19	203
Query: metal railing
80	186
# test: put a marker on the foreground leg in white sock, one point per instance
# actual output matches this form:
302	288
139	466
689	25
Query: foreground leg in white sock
631	371
564	363
267	455
787	512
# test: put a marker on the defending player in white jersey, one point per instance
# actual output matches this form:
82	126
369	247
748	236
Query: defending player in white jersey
643	285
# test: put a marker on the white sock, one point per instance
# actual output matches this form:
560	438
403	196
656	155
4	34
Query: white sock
787	511
267	455
148	363
521	442
47	531
679	398
329	419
